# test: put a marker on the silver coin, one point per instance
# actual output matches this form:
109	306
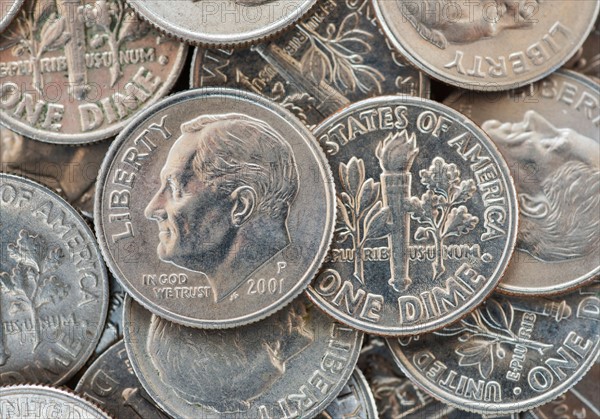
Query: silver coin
222	22
427	216
487	44
74	73
54	286
111	383
509	355
216	208
292	364
335	56
34	402
549	134
587	59
8	10
354	401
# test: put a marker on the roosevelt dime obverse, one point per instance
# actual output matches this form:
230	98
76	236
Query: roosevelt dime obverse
215	208
426	220
53	282
548	132
487	44
509	355
290	365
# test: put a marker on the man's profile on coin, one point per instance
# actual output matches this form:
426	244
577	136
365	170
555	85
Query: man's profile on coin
558	185
222	207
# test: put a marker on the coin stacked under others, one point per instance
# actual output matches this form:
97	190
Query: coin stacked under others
331	209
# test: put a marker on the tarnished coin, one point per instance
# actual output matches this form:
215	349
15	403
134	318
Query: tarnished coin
215	208
290	365
35	402
8	10
334	57
74	72
487	44
354	401
587	59
509	355
222	22
71	171
111	383
54	285
426	216
549	134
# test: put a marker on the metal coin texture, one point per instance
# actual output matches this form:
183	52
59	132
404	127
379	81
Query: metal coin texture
34	402
292	364
8	10
509	355
76	72
334	57
487	44
217	23
54	286
215	208
354	401
587	59
111	383
549	134
427	216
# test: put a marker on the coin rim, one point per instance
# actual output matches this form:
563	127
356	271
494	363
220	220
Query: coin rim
10	15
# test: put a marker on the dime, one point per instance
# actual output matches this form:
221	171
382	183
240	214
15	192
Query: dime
111	383
71	171
334	57
54	286
509	355
587	59
222	22
33	402
548	132
74	73
487	44
216	208
292	364
8	10
354	401
426	216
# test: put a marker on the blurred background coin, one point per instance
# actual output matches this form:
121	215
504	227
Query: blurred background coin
587	58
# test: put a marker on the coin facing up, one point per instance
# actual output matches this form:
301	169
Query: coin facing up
222	22
509	355
292	364
8	10
354	401
33	402
426	220
548	133
216	208
334	57
489	44
54	286
111	383
74	73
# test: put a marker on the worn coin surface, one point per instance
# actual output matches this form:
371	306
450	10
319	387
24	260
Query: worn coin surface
54	285
34	402
334	57
509	355
354	401
74	73
222	22
111	383
487	44
292	364
8	10
426	216
71	171
215	208
549	134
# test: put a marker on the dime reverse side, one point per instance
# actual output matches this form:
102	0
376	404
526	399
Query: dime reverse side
54	286
8	10
509	355
215	208
487	44
427	216
217	23
74	73
548	132
292	364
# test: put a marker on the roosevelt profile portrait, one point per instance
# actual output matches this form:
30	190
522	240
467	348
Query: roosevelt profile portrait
224	198
558	186
225	370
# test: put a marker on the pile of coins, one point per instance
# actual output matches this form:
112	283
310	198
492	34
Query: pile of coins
333	209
